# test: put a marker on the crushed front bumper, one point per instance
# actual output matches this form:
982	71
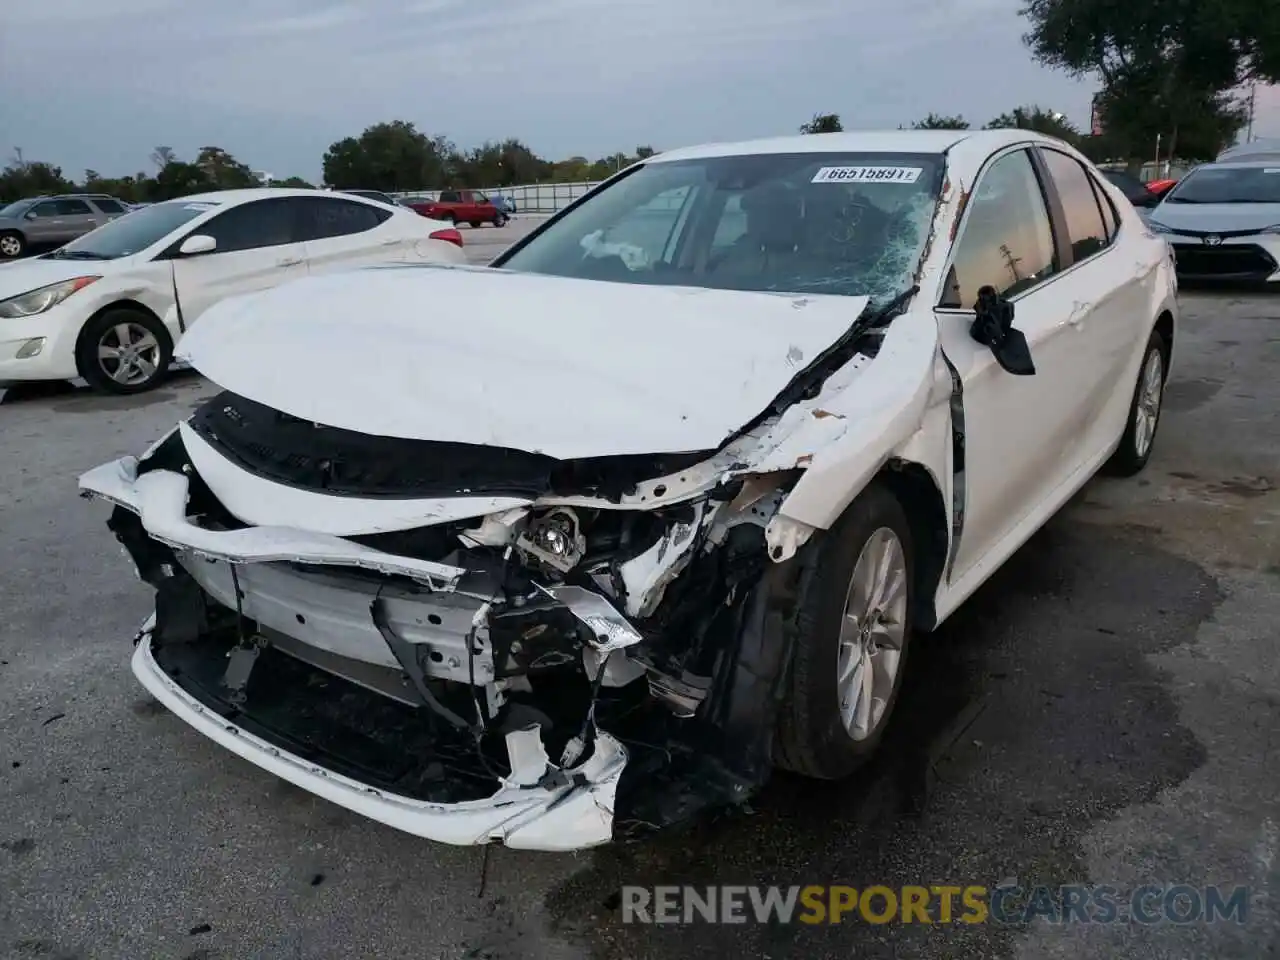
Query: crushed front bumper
571	817
536	806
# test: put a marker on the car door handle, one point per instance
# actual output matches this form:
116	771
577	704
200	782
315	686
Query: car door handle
289	262
1079	311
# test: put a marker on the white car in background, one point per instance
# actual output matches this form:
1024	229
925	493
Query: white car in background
1223	221
665	512
110	306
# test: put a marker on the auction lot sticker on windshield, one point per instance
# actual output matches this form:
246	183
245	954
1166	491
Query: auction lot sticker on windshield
867	175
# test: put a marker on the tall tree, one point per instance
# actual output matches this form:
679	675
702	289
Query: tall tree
937	121
1167	67
223	170
163	156
388	156
823	123
1048	122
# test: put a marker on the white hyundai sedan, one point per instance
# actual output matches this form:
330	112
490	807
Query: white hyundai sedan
665	512
110	306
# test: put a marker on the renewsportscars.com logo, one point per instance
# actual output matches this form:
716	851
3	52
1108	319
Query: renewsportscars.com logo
937	904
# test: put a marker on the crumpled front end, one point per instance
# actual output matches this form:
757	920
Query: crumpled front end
595	654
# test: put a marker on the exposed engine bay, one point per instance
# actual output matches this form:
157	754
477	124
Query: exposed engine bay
453	660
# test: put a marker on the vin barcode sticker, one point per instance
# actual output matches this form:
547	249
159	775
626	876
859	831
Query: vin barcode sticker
867	175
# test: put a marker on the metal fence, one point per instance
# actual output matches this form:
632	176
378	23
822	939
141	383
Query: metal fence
528	197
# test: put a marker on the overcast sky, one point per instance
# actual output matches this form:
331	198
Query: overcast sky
101	83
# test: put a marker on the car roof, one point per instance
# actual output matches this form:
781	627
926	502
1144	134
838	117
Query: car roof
858	141
1244	163
254	193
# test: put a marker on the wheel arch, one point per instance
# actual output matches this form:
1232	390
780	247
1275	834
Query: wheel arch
920	494
124	303
1166	326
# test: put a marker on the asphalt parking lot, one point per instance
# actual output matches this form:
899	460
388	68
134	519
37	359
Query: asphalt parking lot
1104	711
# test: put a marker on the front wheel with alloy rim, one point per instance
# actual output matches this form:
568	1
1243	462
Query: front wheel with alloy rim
123	350
12	245
1140	428
852	629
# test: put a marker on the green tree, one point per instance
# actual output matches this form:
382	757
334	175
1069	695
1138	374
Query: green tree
644	153
937	121
388	156
823	123
1049	122
223	170
179	179
26	178
1167	67
297	182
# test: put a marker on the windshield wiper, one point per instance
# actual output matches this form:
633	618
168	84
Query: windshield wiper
880	316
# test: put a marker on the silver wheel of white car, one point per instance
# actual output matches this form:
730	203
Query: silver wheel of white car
11	245
123	350
1140	429
1146	412
871	635
852	627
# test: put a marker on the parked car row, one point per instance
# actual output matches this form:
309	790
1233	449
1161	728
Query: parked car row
110	305
606	553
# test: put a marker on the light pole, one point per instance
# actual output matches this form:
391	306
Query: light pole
1253	102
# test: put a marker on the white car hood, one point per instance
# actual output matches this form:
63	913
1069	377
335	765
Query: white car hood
27	275
567	368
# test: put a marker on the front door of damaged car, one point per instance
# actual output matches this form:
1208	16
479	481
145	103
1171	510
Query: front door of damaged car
258	247
1015	427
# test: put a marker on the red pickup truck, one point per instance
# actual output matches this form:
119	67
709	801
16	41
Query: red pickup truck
461	206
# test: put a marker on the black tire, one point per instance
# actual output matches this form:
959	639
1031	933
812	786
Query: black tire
12	245
1130	457
811	737
500	220
450	218
97	329
476	224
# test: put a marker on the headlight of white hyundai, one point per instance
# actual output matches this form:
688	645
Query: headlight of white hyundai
37	301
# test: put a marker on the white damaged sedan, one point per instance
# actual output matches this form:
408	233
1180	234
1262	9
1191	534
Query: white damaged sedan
665	509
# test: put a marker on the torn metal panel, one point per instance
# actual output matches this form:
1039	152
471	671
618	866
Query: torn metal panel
160	498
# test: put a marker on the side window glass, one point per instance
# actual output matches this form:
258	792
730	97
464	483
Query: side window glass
261	223
107	205
1110	218
1007	242
46	210
450	196
71	207
1085	229
322	218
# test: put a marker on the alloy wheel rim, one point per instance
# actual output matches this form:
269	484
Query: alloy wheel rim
1146	413
129	353
872	633
10	246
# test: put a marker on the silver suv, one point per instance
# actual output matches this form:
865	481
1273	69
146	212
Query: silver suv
53	221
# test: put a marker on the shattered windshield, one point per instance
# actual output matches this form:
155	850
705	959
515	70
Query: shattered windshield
853	224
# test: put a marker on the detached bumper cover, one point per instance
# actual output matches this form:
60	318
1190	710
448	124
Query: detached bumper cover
572	817
538	806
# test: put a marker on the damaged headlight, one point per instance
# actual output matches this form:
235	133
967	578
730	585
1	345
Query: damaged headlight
554	539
